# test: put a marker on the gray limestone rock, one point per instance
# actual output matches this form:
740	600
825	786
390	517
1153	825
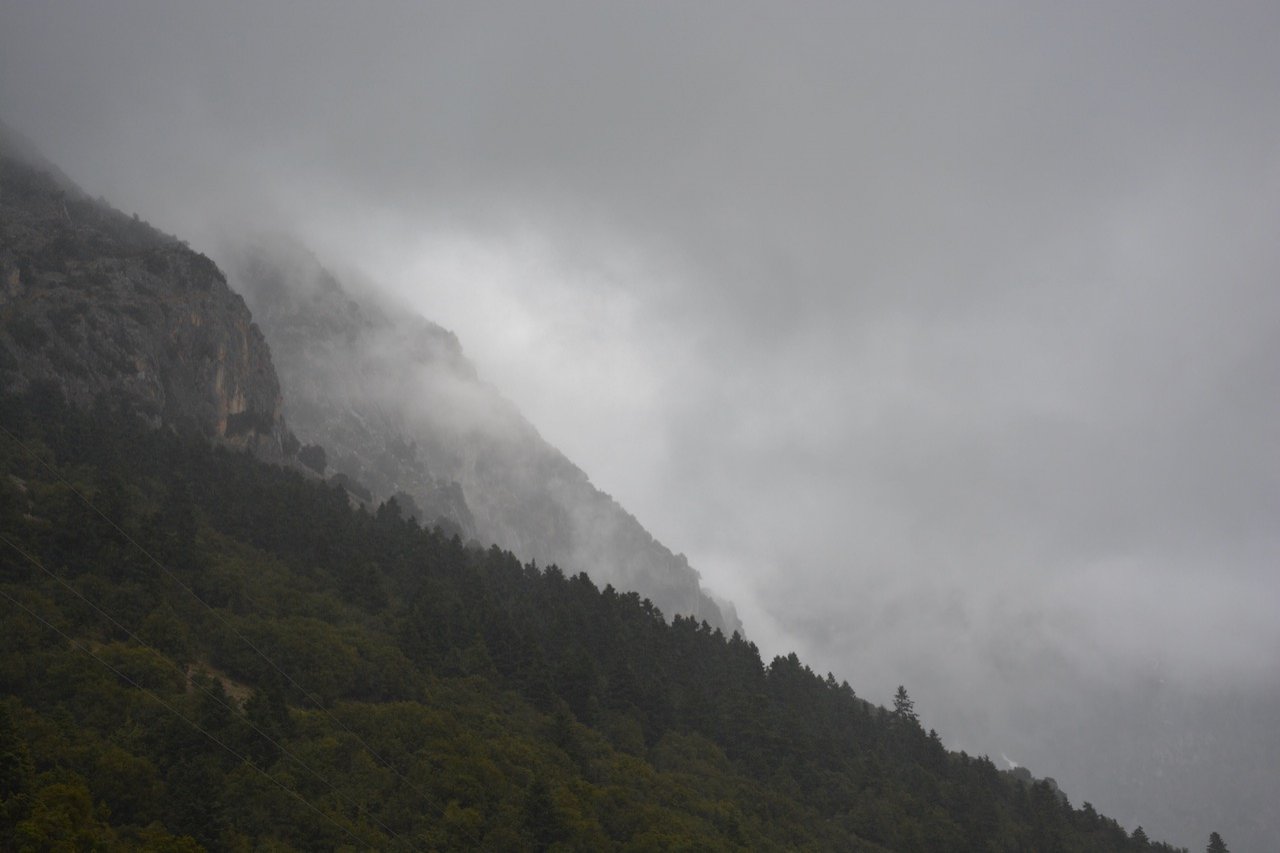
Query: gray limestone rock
104	307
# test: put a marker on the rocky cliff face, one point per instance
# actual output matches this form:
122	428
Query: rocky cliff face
105	307
342	365
398	408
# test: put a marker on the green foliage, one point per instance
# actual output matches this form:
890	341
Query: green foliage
281	671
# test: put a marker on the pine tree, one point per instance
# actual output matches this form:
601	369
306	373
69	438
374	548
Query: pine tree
15	778
903	707
542	821
15	761
1216	844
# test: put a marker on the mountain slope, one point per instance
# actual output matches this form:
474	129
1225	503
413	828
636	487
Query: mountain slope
107	308
398	408
199	650
232	657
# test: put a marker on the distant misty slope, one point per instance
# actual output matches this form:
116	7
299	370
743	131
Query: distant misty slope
1179	759
398	408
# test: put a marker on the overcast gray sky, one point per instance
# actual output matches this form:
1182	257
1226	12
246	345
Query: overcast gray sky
944	338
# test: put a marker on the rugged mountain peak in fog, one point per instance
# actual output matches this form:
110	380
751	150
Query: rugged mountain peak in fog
398	408
105	308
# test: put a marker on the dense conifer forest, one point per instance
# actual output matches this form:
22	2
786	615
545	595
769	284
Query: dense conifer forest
201	651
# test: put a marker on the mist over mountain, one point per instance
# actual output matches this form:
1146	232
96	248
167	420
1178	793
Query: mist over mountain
93	309
399	410
184	621
940	337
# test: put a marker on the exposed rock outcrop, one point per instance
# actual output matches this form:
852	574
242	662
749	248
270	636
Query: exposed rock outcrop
104	307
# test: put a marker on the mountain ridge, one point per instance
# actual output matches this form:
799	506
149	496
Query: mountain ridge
398	408
197	378
108	308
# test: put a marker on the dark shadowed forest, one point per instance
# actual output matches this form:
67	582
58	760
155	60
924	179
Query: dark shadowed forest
201	650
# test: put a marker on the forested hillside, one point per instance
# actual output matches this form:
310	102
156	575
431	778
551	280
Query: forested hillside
202	650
